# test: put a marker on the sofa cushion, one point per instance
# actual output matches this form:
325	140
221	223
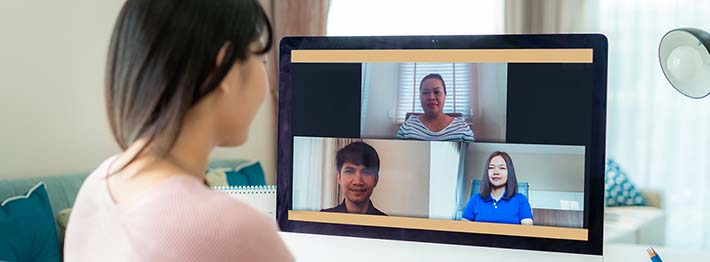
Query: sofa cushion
62	191
216	177
642	224
27	227
254	173
619	191
238	172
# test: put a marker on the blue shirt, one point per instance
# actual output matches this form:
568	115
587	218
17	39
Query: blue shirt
507	211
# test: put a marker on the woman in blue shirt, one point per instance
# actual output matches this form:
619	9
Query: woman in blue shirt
499	200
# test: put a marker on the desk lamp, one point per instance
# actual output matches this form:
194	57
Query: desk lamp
685	60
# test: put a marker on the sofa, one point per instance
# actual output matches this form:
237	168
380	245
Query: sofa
62	190
637	224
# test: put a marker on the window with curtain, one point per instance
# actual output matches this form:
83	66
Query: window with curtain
414	17
457	77
446	17
659	136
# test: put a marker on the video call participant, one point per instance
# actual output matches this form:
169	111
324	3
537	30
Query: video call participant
499	200
358	171
434	124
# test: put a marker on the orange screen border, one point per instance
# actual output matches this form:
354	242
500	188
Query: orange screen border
569	55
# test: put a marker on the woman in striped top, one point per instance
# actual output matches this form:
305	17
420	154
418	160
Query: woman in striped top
434	124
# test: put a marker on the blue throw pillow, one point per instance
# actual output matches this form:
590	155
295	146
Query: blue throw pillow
27	228
247	174
235	178
619	191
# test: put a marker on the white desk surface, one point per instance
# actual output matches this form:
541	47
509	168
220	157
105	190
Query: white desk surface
634	253
307	247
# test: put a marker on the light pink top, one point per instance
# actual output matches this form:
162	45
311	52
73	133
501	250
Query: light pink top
179	219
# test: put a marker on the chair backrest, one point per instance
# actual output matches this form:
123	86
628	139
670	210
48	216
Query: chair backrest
523	187
454	115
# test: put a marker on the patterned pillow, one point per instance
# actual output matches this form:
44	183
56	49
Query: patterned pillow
217	176
619	191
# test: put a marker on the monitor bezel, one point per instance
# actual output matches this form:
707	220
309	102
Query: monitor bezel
594	199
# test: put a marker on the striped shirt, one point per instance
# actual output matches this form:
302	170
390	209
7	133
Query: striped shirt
414	129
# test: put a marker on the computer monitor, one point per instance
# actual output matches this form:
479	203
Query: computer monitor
493	141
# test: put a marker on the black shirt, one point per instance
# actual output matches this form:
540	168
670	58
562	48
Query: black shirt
371	210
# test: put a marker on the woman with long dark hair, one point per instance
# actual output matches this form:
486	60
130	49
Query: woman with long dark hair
499	200
182	77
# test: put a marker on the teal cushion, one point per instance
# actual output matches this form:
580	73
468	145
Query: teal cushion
619	191
62	191
248	174
27	227
255	174
235	178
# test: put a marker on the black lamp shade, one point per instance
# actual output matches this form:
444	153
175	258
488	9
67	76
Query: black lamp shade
685	60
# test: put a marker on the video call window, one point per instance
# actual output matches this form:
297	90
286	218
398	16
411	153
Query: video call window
434	101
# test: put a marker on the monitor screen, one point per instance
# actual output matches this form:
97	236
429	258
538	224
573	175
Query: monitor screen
472	140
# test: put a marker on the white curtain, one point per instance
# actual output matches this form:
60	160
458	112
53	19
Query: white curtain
314	179
659	136
544	16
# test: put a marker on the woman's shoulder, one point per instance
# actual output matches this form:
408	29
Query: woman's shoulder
412	119
194	213
102	170
460	126
477	197
459	122
187	194
412	128
520	196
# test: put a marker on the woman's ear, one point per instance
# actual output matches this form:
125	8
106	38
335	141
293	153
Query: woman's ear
222	52
224	85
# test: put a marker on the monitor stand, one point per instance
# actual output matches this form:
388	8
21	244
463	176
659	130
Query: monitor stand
311	247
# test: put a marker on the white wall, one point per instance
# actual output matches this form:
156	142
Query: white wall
403	188
490	100
444	168
380	83
52	56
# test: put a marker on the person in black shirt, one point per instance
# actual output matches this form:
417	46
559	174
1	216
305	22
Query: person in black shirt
358	171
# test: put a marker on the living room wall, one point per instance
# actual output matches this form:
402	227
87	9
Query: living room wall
51	91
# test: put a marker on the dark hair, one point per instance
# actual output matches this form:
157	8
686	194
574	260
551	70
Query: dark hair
162	61
511	186
433	76
358	153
